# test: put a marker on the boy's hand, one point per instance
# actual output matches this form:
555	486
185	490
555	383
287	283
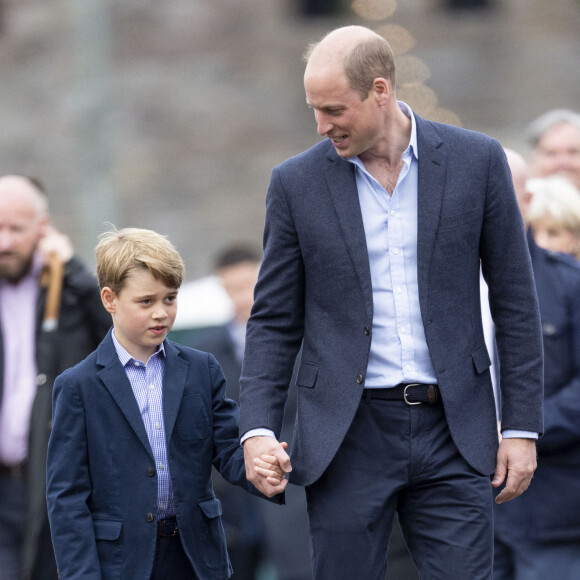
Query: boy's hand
256	448
269	467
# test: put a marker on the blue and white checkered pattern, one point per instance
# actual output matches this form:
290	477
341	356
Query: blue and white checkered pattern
147	383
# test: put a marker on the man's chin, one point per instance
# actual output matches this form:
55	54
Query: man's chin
344	153
13	272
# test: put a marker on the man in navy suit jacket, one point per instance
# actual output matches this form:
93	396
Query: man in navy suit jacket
137	427
372	250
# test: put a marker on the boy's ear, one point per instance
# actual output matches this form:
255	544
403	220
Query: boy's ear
108	299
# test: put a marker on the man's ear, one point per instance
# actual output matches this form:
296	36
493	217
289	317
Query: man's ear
45	225
382	90
108	297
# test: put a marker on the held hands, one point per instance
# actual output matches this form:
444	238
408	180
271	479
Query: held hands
266	464
516	457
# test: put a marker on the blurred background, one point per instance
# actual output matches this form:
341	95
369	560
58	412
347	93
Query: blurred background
170	115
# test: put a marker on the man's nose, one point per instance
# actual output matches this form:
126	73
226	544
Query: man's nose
324	126
5	241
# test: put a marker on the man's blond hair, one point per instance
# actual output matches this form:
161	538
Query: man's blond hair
121	252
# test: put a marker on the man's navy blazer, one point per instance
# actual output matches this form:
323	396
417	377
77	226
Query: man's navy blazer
102	480
315	287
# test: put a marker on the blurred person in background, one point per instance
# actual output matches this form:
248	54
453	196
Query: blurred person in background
51	317
554	214
554	139
537	535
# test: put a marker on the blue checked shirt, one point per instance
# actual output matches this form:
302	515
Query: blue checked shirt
147	383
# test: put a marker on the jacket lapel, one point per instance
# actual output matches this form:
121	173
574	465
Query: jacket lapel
173	386
116	382
431	182
341	182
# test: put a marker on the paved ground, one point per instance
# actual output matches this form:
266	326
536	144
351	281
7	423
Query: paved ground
171	115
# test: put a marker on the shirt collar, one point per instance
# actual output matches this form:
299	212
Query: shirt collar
126	358
412	147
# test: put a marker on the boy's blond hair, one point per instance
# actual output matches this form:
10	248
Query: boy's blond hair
120	252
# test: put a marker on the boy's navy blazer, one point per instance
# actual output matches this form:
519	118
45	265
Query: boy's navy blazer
102	482
315	288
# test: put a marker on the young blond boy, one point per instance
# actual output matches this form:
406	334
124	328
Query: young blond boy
137	426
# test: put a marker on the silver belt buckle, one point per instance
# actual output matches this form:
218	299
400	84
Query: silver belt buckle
405	395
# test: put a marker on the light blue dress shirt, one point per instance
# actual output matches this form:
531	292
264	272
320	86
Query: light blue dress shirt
399	352
147	383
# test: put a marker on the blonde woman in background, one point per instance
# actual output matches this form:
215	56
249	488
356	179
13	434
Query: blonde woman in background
554	214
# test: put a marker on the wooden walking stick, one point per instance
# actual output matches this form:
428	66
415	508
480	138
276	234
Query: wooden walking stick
52	278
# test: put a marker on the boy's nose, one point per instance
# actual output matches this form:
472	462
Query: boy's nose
160	313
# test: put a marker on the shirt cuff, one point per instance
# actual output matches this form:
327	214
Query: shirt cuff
258	433
513	433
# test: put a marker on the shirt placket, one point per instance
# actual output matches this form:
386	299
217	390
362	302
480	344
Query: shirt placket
157	435
398	279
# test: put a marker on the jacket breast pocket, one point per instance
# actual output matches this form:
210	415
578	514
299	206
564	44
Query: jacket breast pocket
455	221
192	421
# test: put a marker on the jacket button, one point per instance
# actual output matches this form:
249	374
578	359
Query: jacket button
149	517
40	379
360	379
367	330
150	472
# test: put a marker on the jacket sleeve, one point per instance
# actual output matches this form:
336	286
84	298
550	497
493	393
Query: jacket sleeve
69	486
228	453
507	268
275	328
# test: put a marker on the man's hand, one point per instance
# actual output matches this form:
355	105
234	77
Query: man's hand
266	464
53	242
516	457
269	467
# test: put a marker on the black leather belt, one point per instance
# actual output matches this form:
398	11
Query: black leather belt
167	527
14	471
410	393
